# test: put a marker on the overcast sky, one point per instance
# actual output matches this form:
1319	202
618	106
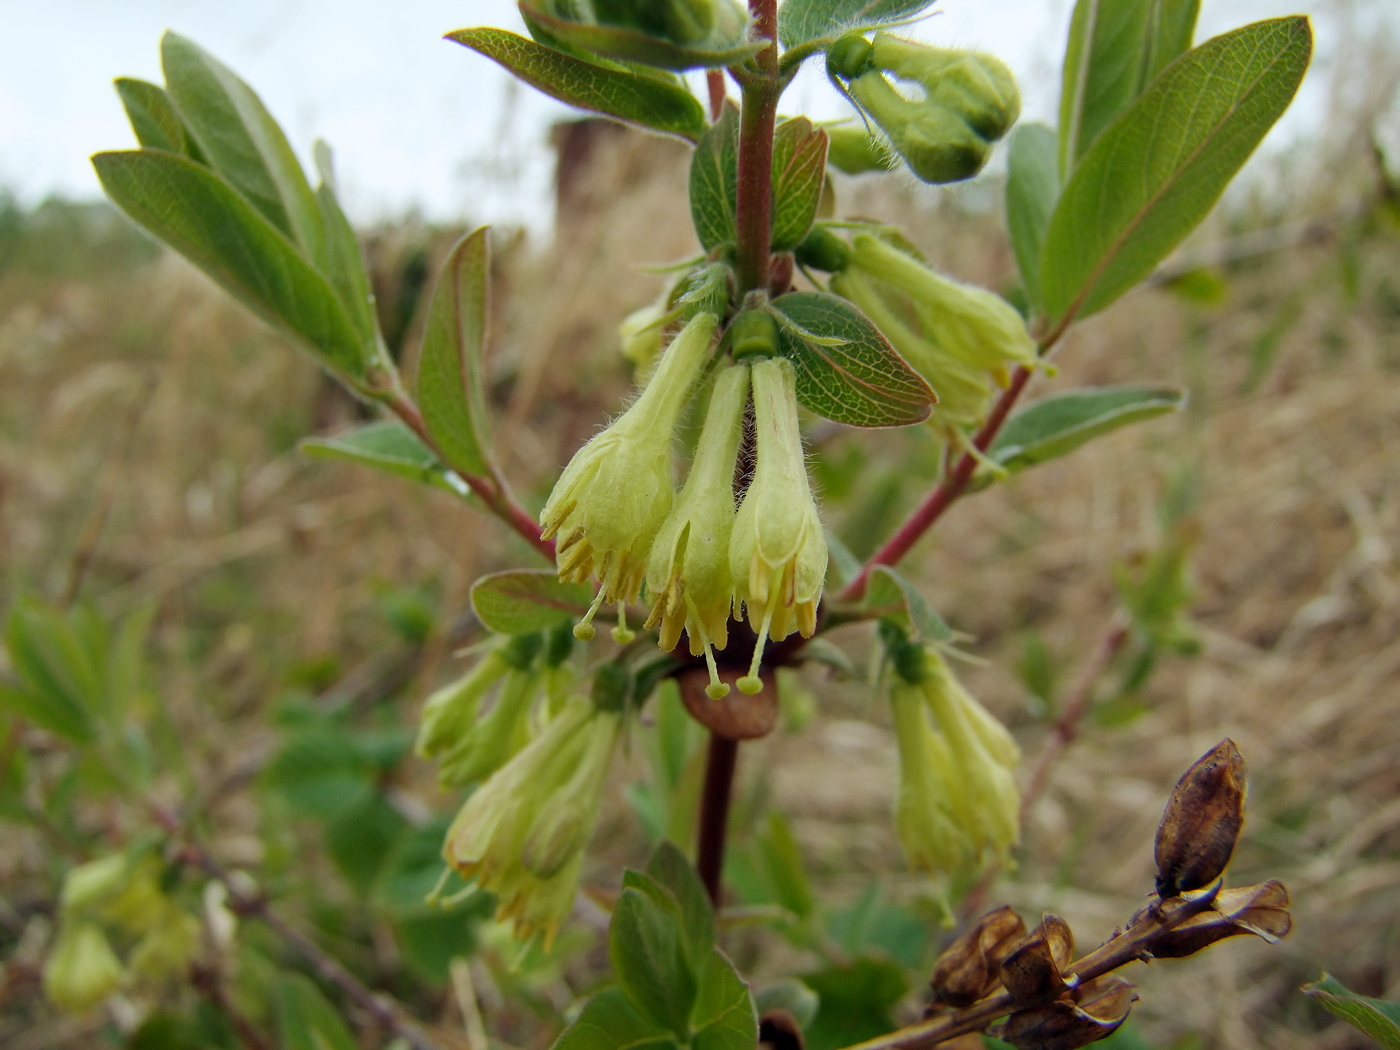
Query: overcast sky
417	121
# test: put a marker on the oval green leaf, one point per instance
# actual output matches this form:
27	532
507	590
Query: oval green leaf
1379	1019
523	601
1032	188
714	181
390	447
154	119
1059	424
609	1021
1162	165
647	952
632	45
846	370
799	174
801	21
629	97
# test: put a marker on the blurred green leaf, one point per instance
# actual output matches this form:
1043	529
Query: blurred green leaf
610	1021
727	44
787	875
154	118
723	1017
320	774
673	870
800	21
61	686
1032	187
714	181
791	995
630	97
305	1019
1059	424
451	386
647	952
1377	1018
414	871
431	940
243	143
799	173
856	1001
1157	170
890	594
344	264
390	447
206	220
523	601
361	840
846	369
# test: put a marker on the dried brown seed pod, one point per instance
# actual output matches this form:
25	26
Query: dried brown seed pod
736	716
1033	967
1202	821
969	968
1090	1012
1261	910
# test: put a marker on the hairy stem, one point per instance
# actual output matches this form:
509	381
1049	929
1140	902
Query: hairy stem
714	812
758	116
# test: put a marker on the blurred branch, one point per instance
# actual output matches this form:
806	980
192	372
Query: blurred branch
208	982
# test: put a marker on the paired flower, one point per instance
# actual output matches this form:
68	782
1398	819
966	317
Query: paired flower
616	492
522	833
958	805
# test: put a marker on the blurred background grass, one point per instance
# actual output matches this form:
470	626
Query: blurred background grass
148	460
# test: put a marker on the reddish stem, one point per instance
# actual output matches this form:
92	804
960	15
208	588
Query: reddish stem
942	497
714	80
714	812
758	117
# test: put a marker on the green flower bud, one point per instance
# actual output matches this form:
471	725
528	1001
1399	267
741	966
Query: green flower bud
936	143
564	827
615	493
451	711
491	740
82	970
166	951
689	577
777	553
849	56
679	21
640	335
976	88
754	333
90	884
855	151
823	250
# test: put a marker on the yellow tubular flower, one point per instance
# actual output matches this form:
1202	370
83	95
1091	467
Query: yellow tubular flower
777	553
615	493
82	969
689	578
450	713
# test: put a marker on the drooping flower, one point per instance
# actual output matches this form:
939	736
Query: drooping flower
521	835
82	970
777	553
689	578
614	495
958	804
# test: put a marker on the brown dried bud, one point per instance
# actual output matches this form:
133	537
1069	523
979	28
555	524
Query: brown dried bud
737	716
969	968
1201	822
778	1030
1091	1012
1033	967
1261	910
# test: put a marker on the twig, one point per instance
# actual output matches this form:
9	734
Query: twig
720	761
206	981
1128	946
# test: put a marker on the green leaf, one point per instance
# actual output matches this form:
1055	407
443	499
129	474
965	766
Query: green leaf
727	45
856	1000
786	873
1377	1018
62	688
800	21
345	266
799	173
451	387
723	1017
1171	24
890	594
714	181
523	601
647	952
609	1021
1060	423
1156	172
203	218
154	119
1032	187
390	447
671	869
242	142
846	369
629	97
361	841
305	1020
414	870
319	773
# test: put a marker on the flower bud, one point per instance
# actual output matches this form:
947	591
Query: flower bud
934	142
615	493
970	967
563	828
82	970
489	742
679	21
91	883
977	88
640	335
168	948
823	250
1202	821
777	553
855	151
754	333
689	576
1092	1011
450	713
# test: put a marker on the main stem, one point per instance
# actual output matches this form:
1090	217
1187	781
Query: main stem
754	230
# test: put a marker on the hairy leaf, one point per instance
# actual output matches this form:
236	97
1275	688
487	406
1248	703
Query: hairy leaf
647	952
390	447
727	45
1032	188
451	387
846	369
714	181
1059	424
630	97
799	174
206	220
1156	172
523	601
802	20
